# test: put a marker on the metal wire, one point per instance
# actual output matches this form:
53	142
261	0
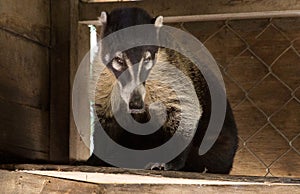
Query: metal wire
243	144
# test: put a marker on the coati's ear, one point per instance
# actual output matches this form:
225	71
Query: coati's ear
103	18
158	21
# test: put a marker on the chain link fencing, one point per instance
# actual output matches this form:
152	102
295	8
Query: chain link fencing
260	63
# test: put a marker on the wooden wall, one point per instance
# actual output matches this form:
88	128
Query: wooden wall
33	59
24	78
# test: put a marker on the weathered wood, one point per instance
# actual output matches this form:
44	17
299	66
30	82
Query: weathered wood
192	189
24	132
90	11
24	72
21	182
24	80
60	88
29	19
170	174
78	150
17	182
219	17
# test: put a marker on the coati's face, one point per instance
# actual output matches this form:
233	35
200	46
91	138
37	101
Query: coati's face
131	68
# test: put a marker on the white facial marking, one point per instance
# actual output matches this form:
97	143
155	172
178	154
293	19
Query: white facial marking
119	54
116	66
118	61
130	68
106	57
148	61
134	83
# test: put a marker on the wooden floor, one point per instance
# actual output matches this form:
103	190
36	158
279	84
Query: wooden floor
25	178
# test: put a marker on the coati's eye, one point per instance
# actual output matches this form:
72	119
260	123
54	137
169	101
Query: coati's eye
147	60
119	60
118	63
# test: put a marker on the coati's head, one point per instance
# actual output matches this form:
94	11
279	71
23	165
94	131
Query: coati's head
131	67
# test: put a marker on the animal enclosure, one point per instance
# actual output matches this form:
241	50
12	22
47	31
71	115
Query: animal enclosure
260	63
44	41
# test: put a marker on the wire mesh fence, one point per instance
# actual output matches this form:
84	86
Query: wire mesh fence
260	62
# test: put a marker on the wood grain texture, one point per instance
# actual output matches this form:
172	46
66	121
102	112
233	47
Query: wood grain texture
219	17
24	132
59	76
24	80
90	11
29	19
170	174
24	72
20	182
78	149
16	182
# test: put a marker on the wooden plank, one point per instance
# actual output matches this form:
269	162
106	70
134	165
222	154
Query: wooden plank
17	182
20	182
101	1
24	132
29	19
24	72
60	88
78	150
219	17
109	178
192	189
170	174
90	11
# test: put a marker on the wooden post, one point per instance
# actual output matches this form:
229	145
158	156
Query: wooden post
59	77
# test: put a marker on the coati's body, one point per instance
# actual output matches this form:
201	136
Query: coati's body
218	159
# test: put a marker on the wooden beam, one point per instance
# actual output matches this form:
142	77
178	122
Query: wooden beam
102	1
25	182
170	174
78	150
111	178
218	17
90	11
59	87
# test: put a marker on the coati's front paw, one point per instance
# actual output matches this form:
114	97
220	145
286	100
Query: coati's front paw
156	166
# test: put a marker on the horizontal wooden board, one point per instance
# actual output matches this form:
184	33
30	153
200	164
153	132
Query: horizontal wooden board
90	11
16	182
24	132
154	173
24	72
21	182
29	18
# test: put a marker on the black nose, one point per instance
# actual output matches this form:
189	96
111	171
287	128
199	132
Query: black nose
136	102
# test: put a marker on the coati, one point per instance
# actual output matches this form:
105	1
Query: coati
134	94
